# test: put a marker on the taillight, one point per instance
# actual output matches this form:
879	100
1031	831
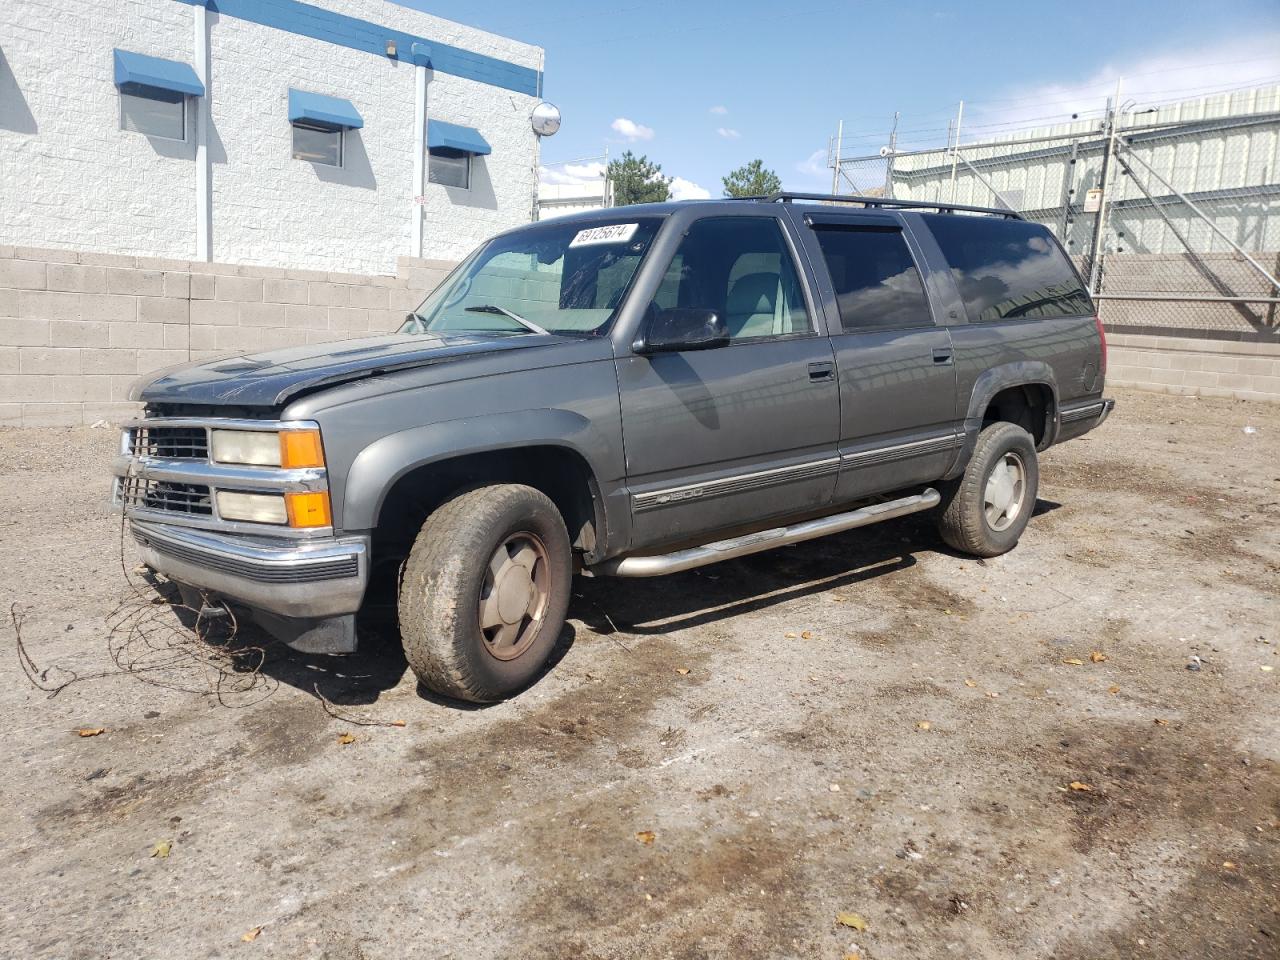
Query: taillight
1102	338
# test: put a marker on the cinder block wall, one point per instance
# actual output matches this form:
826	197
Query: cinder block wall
1210	368
77	328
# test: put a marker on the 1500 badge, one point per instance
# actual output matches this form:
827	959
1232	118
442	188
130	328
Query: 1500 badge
677	495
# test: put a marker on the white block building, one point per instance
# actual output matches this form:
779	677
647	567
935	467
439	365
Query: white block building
332	135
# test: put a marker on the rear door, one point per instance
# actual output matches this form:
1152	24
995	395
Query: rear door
1022	303
898	416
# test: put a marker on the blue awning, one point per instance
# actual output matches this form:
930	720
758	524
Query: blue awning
457	137
140	70
332	113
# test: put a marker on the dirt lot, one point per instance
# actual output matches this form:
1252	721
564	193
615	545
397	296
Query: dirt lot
864	725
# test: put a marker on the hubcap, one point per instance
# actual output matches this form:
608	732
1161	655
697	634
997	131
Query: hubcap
1006	488
514	596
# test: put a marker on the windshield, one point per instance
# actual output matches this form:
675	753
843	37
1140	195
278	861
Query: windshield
565	278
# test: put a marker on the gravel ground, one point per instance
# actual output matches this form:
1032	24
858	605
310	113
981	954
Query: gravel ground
868	726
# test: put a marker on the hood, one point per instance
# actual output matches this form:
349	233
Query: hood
273	377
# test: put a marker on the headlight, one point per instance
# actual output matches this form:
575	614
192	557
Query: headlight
259	448
246	446
252	507
299	510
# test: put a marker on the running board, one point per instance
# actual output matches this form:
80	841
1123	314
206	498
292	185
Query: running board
655	566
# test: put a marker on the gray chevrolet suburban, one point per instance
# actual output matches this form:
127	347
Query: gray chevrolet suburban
626	392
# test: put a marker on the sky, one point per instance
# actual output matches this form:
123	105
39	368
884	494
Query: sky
704	87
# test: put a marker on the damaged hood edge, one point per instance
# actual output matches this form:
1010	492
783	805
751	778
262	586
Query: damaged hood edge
274	378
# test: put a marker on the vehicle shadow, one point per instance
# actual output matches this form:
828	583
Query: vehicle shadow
1044	506
639	607
239	646
659	605
341	681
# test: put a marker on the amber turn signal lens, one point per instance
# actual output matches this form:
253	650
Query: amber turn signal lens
301	448
308	509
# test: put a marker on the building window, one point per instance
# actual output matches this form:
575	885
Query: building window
320	124
317	144
153	94
449	167
154	112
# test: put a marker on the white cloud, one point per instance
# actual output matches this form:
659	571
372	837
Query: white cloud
718	110
586	179
1150	81
682	189
814	165
728	133
572	174
630	130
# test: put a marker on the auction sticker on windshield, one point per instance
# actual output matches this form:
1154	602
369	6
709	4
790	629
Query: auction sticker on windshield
613	233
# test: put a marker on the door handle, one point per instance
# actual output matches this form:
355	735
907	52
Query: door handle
823	370
942	356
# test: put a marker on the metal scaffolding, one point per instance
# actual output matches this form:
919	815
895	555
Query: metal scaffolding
1172	213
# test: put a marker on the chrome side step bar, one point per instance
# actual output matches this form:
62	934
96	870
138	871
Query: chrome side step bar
656	566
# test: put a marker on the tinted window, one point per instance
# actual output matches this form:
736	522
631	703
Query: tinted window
449	167
1008	269
157	113
875	279
317	144
741	268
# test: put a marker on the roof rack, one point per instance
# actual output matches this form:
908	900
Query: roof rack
787	197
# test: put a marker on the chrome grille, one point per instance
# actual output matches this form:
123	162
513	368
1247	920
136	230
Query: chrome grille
164	473
177	443
192	499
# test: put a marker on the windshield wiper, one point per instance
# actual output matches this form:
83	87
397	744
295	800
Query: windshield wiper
509	314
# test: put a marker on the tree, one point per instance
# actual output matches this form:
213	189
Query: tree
753	180
637	180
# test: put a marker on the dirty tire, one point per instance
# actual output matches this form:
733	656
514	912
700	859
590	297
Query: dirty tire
963	516
441	591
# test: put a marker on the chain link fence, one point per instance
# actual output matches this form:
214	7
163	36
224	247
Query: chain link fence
1172	214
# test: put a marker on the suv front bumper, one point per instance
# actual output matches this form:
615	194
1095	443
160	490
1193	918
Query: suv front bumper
296	579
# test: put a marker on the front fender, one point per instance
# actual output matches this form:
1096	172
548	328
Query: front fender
378	466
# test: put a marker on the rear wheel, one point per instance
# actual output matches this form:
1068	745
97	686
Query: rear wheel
484	592
985	511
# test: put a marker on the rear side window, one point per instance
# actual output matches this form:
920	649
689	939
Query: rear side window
1008	269
876	282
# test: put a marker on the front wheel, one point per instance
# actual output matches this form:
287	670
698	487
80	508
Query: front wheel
484	592
985	511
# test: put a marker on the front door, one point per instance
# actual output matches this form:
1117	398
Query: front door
898	416
724	437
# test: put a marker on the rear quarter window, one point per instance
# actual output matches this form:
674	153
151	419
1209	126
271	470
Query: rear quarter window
1008	269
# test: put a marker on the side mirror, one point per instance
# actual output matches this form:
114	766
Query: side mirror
683	328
